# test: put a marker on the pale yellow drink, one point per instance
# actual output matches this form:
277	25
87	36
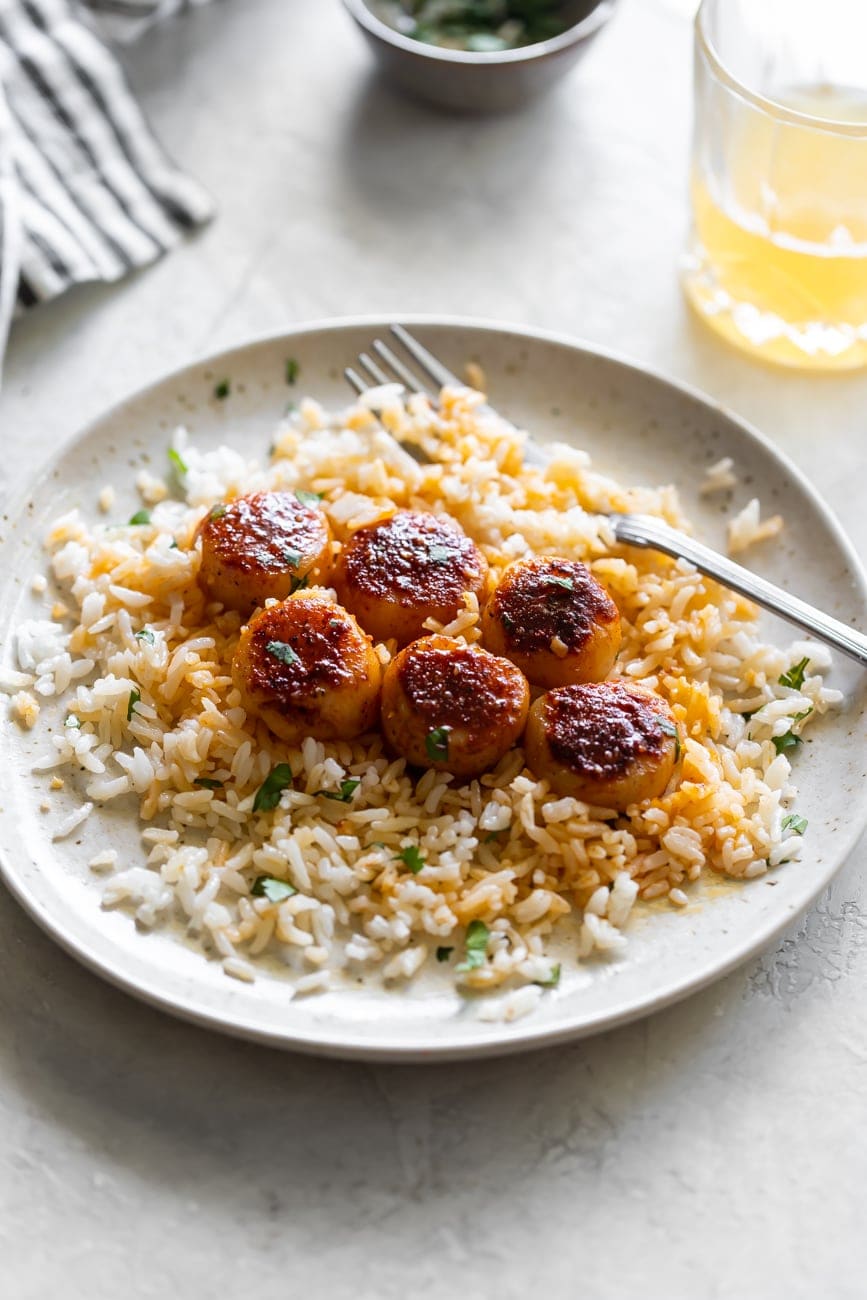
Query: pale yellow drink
779	256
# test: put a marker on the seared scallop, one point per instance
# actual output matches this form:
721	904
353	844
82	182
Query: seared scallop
554	620
452	706
607	743
396	574
306	668
261	547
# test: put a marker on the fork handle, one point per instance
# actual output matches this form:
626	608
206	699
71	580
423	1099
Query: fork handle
644	530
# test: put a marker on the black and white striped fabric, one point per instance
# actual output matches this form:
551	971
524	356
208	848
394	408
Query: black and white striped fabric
86	191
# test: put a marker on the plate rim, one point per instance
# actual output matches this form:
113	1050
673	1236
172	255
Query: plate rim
494	1039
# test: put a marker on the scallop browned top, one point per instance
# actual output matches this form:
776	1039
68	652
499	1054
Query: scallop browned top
541	599
302	646
270	531
425	558
450	684
601	728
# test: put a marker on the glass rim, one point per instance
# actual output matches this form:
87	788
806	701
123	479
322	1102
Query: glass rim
771	107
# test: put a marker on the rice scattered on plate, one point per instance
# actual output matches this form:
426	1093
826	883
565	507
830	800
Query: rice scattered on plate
377	872
719	477
748	527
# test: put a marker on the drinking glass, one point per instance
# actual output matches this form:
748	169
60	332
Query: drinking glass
777	262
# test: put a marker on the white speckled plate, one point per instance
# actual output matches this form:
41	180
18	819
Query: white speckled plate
636	426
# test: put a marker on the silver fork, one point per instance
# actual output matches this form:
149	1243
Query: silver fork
634	530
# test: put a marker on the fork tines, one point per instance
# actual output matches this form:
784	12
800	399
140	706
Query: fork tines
390	367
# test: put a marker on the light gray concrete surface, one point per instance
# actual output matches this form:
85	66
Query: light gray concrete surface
717	1149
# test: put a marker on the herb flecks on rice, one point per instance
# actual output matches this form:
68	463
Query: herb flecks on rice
332	856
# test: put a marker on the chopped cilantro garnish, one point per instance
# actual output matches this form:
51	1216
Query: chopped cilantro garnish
411	858
292	558
443	954
217	511
797	825
347	790
568	583
495	835
309	498
173	545
179	465
553	979
794	677
436	743
140	517
269	792
283	651
670	729
134	697
208	783
292	370
222	389
440	554
478	25
145	634
299	584
276	891
475	945
787	741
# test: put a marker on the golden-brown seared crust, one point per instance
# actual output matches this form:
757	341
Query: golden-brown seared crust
396	574
263	547
307	669
303	646
601	729
452	706
538	600
554	620
610	743
453	685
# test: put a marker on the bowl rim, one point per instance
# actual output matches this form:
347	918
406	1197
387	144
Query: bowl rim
366	18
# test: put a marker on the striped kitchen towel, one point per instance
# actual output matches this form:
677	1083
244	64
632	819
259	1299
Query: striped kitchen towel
86	191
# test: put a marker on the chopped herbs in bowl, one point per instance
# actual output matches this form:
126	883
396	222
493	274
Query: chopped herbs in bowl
478	26
478	56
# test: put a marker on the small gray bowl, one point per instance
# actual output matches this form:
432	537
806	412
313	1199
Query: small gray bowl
480	83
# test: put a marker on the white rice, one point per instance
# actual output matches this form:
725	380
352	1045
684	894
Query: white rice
72	821
747	528
720	477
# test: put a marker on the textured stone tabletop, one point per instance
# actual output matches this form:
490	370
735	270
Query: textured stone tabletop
717	1149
